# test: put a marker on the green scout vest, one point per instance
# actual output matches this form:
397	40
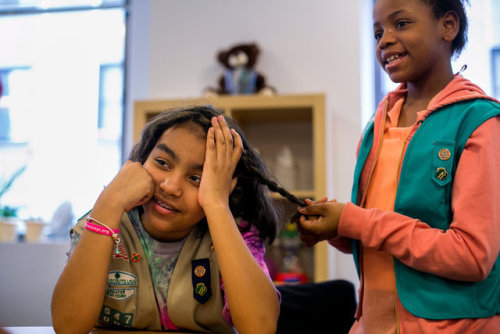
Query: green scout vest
424	192
130	300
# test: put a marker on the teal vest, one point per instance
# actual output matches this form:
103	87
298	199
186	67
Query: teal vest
424	192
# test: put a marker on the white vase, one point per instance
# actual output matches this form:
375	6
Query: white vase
285	169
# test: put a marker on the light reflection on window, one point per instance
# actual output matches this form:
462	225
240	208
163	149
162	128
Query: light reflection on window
53	64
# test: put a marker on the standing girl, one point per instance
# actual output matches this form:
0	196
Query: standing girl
424	222
176	240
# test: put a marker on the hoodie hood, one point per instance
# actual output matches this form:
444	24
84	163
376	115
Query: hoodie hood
459	89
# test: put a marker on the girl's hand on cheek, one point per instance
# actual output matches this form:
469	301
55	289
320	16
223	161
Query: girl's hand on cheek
131	187
223	151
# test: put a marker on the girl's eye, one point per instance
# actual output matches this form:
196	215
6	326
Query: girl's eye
162	163
401	24
196	179
378	35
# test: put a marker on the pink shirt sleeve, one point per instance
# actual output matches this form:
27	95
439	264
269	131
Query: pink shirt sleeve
469	248
256	246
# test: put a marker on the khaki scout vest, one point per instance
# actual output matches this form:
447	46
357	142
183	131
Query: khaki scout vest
130	299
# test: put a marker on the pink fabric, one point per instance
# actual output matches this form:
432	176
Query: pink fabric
468	250
258	250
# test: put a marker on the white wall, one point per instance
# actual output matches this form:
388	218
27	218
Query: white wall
306	47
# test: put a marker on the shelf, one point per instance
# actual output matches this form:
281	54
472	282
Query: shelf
298	193
269	123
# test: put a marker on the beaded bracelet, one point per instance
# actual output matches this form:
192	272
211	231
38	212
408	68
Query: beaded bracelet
102	229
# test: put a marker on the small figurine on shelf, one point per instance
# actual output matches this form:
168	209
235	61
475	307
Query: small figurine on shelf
240	76
291	267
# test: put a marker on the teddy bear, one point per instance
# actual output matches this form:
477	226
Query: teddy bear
239	75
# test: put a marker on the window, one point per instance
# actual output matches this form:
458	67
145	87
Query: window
14	85
62	105
495	66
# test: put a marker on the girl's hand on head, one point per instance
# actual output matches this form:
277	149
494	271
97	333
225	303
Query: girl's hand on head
319	220
131	187
223	151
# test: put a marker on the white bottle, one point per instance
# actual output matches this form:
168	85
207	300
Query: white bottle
285	169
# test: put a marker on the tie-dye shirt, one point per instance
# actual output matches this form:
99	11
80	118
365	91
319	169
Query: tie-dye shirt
162	258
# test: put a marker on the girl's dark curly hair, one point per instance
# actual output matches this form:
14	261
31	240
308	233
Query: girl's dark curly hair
441	7
250	199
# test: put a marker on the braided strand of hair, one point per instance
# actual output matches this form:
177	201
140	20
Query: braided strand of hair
272	185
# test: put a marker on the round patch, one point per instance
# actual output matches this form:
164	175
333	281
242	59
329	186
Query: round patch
444	154
201	289
199	271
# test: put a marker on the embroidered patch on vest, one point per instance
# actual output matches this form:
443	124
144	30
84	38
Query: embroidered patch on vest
136	257
200	271
121	285
110	316
122	252
444	154
200	276
441	174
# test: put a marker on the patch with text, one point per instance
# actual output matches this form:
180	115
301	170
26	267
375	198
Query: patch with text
120	285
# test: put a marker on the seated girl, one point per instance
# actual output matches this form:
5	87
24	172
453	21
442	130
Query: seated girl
176	240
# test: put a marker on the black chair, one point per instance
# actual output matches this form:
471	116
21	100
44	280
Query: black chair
325	307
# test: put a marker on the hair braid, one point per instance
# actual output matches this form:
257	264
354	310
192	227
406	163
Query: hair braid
272	185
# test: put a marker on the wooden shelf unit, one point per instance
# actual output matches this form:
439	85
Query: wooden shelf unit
269	122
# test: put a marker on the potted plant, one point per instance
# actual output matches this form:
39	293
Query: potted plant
5	185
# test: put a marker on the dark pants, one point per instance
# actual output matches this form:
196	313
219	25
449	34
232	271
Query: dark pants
326	307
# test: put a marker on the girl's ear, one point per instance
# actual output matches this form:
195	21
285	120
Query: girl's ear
450	25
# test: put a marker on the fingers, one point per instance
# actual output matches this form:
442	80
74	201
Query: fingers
321	200
228	142
307	236
316	208
238	147
210	145
220	143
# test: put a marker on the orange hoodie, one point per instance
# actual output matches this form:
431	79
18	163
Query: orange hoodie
468	250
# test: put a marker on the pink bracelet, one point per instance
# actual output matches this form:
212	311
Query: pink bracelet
101	230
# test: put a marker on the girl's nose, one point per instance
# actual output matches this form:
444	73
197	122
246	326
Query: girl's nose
385	39
172	185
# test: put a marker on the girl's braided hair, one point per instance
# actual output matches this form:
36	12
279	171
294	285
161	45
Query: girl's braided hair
250	199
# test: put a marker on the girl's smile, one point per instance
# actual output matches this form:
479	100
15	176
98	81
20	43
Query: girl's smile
392	60
164	207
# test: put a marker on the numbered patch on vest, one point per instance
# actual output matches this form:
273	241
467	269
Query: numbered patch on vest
200	276
110	316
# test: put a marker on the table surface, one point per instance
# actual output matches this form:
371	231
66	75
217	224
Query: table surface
50	330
